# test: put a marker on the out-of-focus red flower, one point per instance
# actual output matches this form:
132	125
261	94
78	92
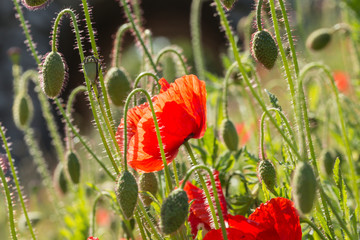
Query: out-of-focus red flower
200	214
243	132
181	113
276	219
342	81
103	217
92	238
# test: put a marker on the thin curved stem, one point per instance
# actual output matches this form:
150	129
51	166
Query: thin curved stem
225	89
118	43
284	119
17	184
157	129
258	15
202	181
148	220
82	140
92	228
68	111
174	51
216	196
138	220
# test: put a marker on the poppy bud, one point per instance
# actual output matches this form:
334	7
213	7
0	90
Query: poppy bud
148	183
327	161
127	193
118	85
91	68
174	211
73	166
22	110
264	48
228	3
267	174
304	187
35	4
14	54
229	134
34	217
60	179
319	39
53	74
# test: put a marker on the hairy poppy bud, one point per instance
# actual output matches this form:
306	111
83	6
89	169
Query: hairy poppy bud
228	3
53	74
148	183
73	166
127	193
229	134
264	48
174	211
60	179
118	85
327	161
22	110
304	187
319	39
35	4
267	174
91	67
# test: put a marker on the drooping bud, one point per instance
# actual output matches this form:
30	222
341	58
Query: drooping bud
304	187
127	193
174	211
319	39
264	48
60	179
73	167
91	68
35	4
118	85
22	110
267	174
148	183
14	55
229	134
53	74
327	161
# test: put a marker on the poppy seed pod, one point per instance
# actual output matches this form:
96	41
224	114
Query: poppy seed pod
174	211
264	48
22	110
229	134
304	187
127	193
53	74
267	174
91	68
118	85
148	183
35	4
319	39
73	167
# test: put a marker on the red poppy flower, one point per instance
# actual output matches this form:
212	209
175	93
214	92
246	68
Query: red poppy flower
276	219
341	81
200	214
181	113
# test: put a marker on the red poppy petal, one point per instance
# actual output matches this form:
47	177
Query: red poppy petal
280	214
133	117
232	234
196	223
